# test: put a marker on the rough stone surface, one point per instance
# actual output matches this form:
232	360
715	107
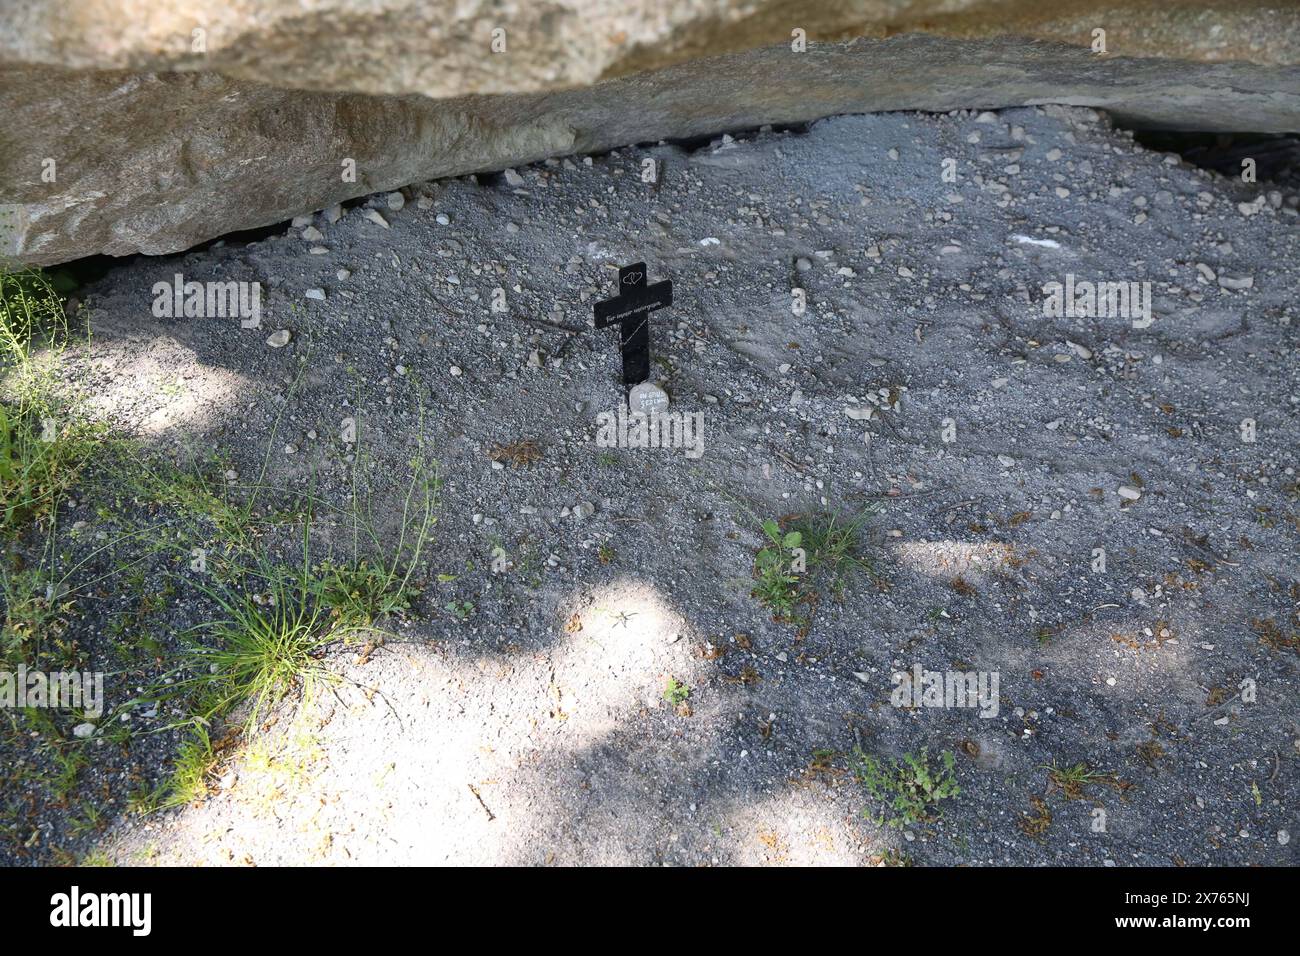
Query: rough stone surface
441	48
157	162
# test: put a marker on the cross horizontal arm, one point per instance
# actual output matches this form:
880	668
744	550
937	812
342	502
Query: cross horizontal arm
646	299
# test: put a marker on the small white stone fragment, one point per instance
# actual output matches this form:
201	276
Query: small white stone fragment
1031	241
317	294
278	339
374	216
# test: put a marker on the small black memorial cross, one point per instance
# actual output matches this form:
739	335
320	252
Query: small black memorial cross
632	306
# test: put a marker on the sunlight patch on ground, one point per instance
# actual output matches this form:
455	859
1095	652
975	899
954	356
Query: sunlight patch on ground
146	392
948	557
423	751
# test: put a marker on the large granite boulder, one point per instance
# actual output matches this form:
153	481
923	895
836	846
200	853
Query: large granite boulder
147	126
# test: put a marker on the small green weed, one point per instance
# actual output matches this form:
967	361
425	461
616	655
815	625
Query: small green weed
911	788
675	692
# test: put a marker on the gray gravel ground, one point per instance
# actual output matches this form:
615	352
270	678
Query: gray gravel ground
516	736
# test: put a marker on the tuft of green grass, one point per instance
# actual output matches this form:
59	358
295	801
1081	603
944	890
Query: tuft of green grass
1072	779
43	445
816	551
360	593
32	317
833	546
262	645
36	616
912	789
188	783
42	454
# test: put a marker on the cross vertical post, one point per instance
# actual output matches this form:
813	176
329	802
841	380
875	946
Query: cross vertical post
631	308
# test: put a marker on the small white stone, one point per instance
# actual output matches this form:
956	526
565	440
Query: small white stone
278	339
312	234
648	398
1129	493
454	370
374	216
513	179
83	731
395	201
317	294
